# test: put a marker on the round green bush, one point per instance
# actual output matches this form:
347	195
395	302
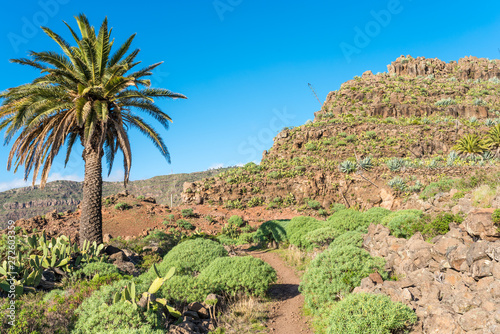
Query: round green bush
350	238
93	268
98	313
191	256
298	227
374	215
239	274
185	289
348	220
336	272
362	313
322	236
236	220
272	230
401	223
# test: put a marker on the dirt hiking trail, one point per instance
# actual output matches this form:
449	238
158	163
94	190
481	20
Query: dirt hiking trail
286	310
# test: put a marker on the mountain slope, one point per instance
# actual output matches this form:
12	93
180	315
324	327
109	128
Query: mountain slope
66	195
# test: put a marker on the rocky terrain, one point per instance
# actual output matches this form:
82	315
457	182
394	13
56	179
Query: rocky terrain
66	195
453	283
416	112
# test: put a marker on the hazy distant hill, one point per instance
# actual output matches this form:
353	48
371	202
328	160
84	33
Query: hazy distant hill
66	195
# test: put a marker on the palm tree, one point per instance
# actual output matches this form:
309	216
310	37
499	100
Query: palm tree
84	94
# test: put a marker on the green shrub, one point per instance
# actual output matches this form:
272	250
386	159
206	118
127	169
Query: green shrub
315	205
370	134
496	216
401	223
236	204
255	201
362	313
321	237
239	274
122	206
350	238
443	185
141	197
348	220
272	230
438	226
184	224
93	268
337	207
98	313
298	227
185	289
236	220
187	213
191	256
374	215
336	272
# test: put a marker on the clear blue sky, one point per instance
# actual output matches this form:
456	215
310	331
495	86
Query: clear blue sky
245	65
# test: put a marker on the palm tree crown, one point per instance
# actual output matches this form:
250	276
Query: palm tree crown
88	94
85	93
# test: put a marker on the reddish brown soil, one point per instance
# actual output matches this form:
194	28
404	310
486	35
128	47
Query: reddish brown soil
144	216
286	310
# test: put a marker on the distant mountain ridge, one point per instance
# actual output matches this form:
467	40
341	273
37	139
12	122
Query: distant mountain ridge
66	195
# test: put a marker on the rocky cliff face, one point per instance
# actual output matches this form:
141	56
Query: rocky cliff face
418	87
453	284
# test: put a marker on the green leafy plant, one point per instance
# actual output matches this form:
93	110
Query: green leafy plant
361	313
348	167
187	213
185	224
122	206
239	274
335	272
471	144
315	205
236	220
395	164
493	137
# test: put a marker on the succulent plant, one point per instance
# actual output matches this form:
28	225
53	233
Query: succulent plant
148	299
348	167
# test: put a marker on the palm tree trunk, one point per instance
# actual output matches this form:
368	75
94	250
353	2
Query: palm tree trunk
91	215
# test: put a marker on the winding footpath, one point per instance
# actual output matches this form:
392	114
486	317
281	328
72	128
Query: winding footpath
286	309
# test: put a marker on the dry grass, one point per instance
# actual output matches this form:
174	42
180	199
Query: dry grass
298	258
483	195
245	315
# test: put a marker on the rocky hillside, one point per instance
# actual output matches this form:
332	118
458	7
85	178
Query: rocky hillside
66	195
378	138
421	87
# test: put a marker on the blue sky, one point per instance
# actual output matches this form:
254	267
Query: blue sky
244	65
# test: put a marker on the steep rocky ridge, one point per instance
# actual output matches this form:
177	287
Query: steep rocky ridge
303	163
421	87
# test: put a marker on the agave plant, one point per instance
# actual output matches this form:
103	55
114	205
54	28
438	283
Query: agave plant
395	164
348	167
452	157
398	184
365	163
471	144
